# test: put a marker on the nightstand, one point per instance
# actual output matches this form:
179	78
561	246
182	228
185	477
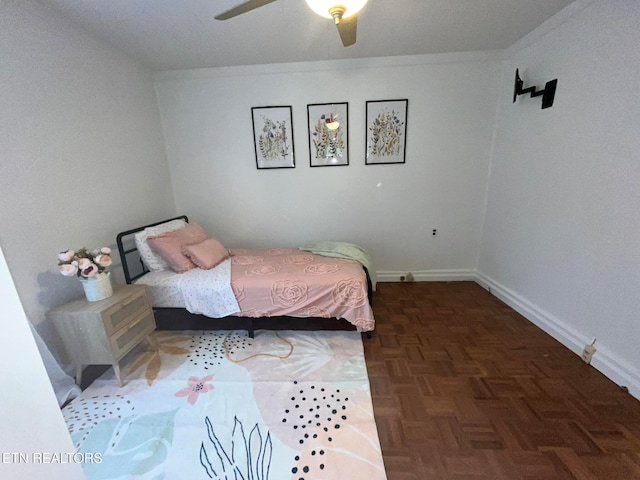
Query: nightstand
103	332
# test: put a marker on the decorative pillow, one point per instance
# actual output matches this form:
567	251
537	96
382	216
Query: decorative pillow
207	254
152	260
169	245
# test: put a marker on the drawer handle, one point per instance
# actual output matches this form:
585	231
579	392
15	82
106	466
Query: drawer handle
135	323
141	319
130	301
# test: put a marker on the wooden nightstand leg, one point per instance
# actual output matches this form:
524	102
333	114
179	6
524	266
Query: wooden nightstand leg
116	368
78	374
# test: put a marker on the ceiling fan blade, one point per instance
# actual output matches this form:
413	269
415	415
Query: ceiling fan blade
243	8
347	30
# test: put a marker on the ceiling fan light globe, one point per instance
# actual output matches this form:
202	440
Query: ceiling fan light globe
324	7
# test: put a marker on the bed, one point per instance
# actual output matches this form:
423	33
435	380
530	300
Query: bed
298	283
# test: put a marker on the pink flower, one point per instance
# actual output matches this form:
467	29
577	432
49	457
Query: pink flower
365	324
89	271
66	256
287	293
195	388
246	259
264	270
83	263
103	260
350	293
68	269
321	269
318	312
301	259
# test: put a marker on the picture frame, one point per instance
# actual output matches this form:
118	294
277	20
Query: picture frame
328	125
386	131
273	137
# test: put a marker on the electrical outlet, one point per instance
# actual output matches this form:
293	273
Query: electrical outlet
402	278
588	352
434	232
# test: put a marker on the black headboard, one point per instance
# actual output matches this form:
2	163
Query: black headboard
129	251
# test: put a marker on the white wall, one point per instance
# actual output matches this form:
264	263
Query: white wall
31	420
83	158
82	150
562	233
388	209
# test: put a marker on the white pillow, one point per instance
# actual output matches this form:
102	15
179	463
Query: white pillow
152	260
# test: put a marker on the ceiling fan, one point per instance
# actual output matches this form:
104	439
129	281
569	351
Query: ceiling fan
343	12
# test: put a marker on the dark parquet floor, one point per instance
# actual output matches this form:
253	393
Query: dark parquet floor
464	387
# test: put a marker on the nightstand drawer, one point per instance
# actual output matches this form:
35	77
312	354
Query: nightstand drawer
124	341
124	313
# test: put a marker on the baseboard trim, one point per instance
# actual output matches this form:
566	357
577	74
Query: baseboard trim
428	275
613	367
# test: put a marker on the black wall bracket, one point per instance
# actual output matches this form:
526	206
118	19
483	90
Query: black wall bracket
548	94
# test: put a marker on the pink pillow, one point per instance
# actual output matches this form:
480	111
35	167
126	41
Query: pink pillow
169	245
207	254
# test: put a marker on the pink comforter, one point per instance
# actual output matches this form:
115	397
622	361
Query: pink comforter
290	282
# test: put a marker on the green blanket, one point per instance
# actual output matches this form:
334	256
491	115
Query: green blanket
344	250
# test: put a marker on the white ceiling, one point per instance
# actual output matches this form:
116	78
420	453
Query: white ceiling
182	34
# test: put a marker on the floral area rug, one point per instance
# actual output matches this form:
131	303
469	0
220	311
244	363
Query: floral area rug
220	405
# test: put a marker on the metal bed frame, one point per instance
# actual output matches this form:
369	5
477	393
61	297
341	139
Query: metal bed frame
128	253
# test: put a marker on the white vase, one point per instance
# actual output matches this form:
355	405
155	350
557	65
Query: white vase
97	287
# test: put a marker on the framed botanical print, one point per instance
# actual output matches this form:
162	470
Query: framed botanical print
386	131
328	134
273	137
